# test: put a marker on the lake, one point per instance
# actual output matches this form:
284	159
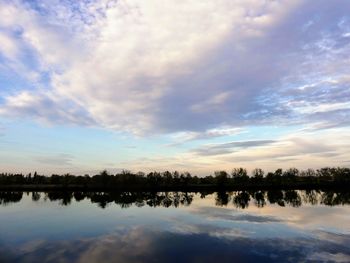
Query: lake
244	226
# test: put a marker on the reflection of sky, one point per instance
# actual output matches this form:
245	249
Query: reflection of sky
83	232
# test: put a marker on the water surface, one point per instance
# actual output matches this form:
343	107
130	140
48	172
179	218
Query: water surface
261	226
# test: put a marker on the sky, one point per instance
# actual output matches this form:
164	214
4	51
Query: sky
186	85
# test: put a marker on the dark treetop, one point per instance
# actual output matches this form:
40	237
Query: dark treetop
238	179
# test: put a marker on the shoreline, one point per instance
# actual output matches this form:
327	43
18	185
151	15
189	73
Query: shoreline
165	188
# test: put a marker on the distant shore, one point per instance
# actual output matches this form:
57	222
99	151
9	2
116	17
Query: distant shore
188	188
238	179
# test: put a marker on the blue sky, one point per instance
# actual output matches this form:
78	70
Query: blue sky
183	85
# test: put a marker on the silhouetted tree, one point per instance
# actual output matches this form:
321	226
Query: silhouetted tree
240	175
221	178
258	175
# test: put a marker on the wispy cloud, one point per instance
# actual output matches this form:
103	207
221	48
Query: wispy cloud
230	147
56	160
183	137
46	108
291	151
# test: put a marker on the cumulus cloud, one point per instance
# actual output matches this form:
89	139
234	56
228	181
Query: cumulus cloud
184	66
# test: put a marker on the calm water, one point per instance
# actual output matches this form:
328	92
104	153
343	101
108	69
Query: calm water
264	226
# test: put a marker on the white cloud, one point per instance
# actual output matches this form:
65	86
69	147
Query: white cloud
56	160
230	147
137	52
147	67
302	149
45	107
183	137
8	47
214	103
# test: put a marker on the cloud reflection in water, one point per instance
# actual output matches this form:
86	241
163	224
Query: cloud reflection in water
150	245
175	227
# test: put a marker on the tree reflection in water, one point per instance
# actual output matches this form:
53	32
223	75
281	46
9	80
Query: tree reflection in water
239	199
10	197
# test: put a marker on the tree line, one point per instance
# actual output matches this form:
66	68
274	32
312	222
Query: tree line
236	179
239	199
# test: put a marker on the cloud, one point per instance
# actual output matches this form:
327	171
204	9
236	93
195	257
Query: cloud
331	119
297	150
58	160
284	149
183	137
230	147
302	149
185	66
46	108
8	46
212	104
